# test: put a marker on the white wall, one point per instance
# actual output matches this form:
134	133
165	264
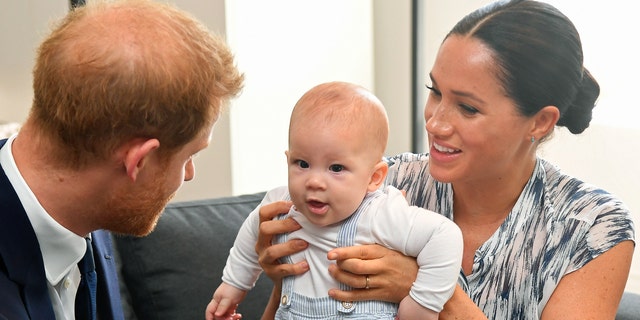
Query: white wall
22	26
213	176
285	47
393	69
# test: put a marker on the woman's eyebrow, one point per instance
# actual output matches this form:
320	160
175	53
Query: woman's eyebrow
459	93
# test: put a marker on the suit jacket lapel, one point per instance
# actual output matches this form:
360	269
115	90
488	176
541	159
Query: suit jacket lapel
109	301
20	252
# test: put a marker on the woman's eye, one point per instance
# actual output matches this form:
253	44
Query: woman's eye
336	167
467	109
433	90
302	164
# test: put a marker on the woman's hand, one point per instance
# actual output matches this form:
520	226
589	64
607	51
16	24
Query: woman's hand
268	254
390	274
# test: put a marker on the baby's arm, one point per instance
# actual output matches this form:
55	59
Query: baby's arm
439	260
242	268
434	240
224	303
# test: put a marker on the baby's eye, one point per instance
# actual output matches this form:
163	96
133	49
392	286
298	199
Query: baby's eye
336	167
302	164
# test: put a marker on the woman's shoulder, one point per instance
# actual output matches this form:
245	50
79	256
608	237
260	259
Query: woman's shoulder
408	162
407	166
577	198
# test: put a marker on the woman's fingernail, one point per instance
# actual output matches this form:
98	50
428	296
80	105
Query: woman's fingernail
301	244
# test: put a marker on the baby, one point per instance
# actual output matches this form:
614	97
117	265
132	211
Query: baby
337	137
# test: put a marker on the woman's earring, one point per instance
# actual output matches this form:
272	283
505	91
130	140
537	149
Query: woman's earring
533	139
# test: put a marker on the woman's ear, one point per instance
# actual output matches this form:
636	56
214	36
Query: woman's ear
544	121
137	154
378	176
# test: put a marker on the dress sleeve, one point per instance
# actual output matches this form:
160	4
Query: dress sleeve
611	225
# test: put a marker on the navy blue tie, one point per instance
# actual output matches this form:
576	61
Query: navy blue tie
86	296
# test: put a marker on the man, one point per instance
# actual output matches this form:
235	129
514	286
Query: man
125	94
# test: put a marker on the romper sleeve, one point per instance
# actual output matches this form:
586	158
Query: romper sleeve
434	240
242	268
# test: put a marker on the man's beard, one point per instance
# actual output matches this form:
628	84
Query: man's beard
136	213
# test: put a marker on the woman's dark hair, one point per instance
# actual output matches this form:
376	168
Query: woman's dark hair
539	58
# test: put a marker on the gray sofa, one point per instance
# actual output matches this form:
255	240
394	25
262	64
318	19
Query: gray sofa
172	273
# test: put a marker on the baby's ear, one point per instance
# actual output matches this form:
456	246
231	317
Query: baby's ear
378	176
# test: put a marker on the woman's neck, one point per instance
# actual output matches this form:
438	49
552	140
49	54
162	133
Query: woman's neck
481	206
491	199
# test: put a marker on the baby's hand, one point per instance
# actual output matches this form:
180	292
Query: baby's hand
224	303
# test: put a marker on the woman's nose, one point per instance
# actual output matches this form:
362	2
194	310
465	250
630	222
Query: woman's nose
437	119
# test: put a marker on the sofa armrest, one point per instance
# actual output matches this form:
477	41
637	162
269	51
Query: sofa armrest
629	308
172	272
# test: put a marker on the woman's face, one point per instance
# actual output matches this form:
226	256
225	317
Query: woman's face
475	132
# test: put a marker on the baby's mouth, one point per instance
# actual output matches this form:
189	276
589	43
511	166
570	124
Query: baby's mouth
317	207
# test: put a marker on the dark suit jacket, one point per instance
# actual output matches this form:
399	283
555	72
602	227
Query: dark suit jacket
23	283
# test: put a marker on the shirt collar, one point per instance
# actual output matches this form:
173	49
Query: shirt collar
61	249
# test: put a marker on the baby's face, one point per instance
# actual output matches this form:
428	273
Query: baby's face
330	169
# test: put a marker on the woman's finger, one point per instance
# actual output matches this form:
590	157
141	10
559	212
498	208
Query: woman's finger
269	254
269	228
364	252
272	254
390	273
271	210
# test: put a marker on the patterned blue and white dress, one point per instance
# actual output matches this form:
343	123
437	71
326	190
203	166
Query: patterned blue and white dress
557	225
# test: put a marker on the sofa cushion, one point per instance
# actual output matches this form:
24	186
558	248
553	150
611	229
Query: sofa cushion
172	272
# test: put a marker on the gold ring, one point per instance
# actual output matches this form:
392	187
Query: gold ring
366	279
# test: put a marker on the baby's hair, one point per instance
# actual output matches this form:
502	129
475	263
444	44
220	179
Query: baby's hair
346	105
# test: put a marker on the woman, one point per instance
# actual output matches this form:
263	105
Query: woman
538	244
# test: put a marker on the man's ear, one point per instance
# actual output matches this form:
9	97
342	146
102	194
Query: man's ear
544	121
378	176
137	154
